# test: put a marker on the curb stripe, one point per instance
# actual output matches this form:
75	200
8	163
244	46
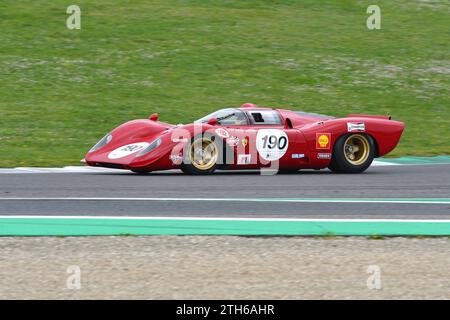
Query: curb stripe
90	226
410	160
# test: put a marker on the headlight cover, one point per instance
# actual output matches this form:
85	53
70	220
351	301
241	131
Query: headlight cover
103	142
155	144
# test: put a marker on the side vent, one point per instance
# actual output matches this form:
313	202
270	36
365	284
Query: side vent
288	124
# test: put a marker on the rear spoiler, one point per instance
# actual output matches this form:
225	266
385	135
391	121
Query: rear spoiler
369	116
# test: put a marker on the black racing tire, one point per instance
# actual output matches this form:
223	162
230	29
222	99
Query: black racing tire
346	160
194	166
288	171
141	171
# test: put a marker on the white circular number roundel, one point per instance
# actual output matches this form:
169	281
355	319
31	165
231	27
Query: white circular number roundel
127	150
271	144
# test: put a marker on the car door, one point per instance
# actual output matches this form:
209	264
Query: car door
265	141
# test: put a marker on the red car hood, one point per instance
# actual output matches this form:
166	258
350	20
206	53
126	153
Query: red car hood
139	133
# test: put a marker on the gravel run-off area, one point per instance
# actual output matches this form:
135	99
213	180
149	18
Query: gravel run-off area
224	267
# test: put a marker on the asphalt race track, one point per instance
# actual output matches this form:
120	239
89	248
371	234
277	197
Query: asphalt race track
231	194
218	255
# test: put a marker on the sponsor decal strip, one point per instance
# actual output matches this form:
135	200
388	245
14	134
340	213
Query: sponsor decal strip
244	159
324	156
222	133
233	141
358	127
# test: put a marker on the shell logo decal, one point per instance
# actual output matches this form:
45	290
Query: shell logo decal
323	140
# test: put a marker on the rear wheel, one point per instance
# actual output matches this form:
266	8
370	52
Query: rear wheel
201	155
352	153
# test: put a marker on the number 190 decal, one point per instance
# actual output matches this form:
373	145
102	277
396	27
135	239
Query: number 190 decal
271	144
273	141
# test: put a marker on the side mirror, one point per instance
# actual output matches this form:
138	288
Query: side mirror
213	121
154	117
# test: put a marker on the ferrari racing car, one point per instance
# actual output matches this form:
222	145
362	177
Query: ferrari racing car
249	137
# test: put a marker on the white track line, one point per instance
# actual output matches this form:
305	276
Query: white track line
69	169
376	163
293	200
86	169
222	219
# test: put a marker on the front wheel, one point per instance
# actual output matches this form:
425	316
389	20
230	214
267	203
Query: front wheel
201	155
352	153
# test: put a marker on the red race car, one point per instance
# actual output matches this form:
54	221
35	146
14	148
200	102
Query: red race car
249	137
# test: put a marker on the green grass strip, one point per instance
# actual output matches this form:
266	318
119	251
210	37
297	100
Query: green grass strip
102	226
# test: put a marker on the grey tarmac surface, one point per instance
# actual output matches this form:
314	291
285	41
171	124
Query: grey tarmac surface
171	267
409	181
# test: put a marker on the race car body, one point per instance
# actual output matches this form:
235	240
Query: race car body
249	137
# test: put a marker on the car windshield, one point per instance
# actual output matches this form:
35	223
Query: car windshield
226	117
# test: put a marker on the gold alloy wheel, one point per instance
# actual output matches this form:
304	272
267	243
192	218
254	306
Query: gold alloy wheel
356	149
203	153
